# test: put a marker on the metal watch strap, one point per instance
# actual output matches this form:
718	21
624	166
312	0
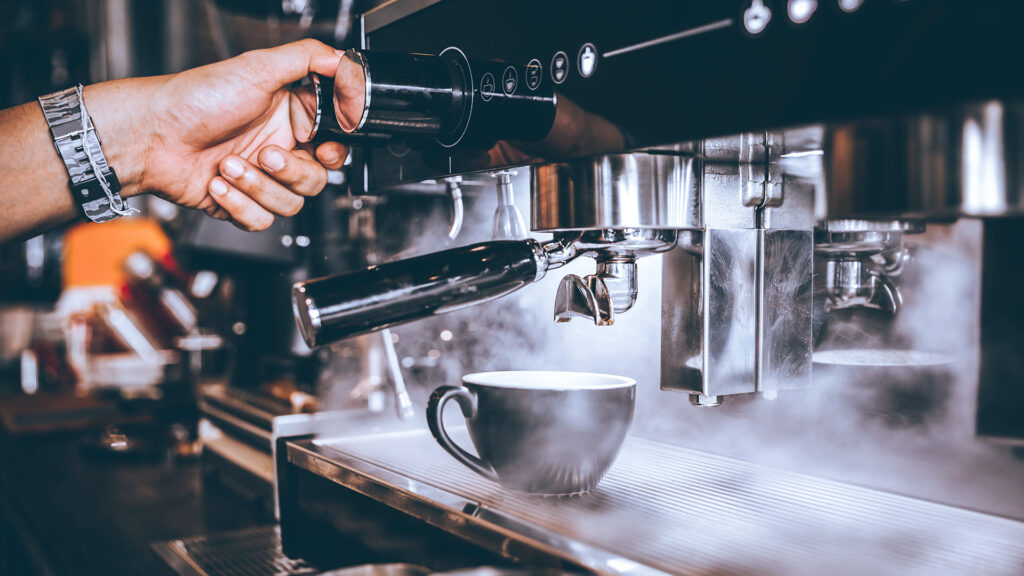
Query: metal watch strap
63	111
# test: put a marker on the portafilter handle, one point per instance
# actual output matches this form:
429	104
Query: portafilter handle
375	96
337	307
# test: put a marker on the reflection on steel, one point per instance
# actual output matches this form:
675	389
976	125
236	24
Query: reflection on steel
640	190
962	162
664	509
739	316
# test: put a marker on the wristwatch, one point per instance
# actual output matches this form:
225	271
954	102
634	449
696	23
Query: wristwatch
94	185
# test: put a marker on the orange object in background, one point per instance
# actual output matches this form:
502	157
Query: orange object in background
93	253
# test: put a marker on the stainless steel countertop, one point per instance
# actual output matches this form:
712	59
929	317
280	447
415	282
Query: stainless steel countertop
665	509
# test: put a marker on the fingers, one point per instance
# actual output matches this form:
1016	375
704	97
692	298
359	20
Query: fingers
332	155
302	109
244	211
252	194
257	185
293	62
297	171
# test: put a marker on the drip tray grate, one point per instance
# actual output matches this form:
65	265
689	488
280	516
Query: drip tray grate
662	508
249	552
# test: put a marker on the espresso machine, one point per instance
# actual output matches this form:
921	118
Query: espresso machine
783	161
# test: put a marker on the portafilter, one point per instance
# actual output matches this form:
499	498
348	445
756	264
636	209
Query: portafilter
614	208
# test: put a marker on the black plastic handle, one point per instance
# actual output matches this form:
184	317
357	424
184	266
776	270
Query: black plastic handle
435	412
445	97
417	95
336	307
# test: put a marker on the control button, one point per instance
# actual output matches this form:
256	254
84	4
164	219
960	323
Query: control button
849	6
534	74
487	87
800	11
559	67
756	17
509	80
586	61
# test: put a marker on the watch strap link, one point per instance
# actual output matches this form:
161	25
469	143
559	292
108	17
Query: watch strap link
94	185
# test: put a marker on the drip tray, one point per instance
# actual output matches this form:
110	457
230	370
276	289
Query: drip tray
665	509
249	552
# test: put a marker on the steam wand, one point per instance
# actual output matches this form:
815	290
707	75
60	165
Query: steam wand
508	221
403	403
454	189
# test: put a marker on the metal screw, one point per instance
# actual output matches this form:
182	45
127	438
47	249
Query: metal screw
703	401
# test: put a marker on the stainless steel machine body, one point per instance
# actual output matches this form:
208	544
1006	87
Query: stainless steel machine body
736	305
834	162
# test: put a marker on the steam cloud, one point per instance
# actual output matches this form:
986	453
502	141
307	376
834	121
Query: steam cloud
903	432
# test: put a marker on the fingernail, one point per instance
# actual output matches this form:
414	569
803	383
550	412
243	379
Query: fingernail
218	188
233	168
273	160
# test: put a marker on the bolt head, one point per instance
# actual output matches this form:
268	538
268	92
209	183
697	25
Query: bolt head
702	401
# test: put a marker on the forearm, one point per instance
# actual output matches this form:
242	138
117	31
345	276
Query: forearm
34	191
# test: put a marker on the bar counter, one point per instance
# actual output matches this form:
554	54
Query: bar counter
64	510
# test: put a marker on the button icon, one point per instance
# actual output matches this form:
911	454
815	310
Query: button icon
559	67
586	61
800	11
849	6
756	17
534	74
509	80
487	89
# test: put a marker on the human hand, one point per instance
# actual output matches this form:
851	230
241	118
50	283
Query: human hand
228	137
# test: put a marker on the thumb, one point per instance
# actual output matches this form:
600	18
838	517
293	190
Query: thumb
293	62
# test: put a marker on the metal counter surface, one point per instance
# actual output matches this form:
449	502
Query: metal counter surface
665	509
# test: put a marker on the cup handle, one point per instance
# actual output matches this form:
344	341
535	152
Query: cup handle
435	409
